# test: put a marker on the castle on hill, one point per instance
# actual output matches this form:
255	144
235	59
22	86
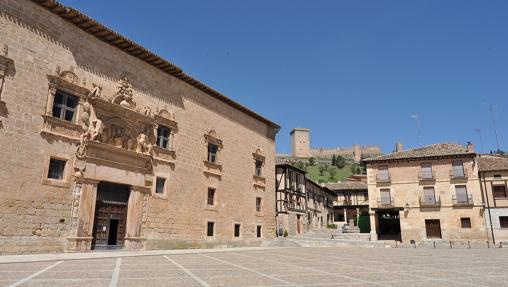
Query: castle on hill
300	147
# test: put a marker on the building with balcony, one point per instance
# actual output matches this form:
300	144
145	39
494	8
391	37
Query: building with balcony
351	204
494	185
106	145
426	193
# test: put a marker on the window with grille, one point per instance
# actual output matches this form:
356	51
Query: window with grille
458	169
210	227
429	195
56	168
465	222
64	106
160	185
211	196
499	191
385	196
212	152
258	204
426	171
383	173
503	221
461	194
258	167
163	134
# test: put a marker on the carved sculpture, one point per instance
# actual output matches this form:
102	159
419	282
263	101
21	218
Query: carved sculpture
95	92
144	145
124	94
147	111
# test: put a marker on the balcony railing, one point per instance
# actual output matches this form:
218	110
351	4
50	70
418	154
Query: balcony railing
458	174
430	201
385	203
294	206
383	177
426	175
463	200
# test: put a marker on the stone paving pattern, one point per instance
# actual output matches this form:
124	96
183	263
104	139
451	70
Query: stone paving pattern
277	267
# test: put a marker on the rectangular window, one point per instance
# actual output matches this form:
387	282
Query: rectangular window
339	215
212	152
163	136
503	221
429	195
258	204
461	194
366	196
56	168
458	169
426	171
237	230
433	228
258	167
209	229
497	176
160	184
499	191
385	196
383	174
465	222
211	196
64	106
258	231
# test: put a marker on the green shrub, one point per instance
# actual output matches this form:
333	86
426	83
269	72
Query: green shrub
285	233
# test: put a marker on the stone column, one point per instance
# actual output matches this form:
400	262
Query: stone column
345	214
373	226
133	239
83	212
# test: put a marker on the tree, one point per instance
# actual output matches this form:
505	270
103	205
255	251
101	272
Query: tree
312	161
333	173
334	160
322	169
354	168
340	162
300	164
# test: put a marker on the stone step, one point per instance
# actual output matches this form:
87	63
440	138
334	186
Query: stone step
280	242
318	242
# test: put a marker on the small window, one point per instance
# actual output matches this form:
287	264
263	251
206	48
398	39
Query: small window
56	168
64	106
163	136
461	194
503	221
258	204
211	196
160	184
259	166
383	174
366	196
212	152
237	230
499	191
465	222
458	169
258	231
209	230
385	196
426	171
497	176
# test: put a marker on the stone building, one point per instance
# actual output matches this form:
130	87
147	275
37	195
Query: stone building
351	205
426	193
300	143
319	205
494	185
106	145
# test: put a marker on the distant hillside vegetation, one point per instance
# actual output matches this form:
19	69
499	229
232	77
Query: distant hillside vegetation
323	170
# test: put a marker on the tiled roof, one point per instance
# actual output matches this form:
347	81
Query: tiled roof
487	162
347	185
434	150
109	36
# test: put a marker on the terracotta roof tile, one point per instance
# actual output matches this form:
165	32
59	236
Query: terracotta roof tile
434	150
487	162
347	185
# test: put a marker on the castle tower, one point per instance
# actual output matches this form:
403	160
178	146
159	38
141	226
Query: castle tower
357	153
300	143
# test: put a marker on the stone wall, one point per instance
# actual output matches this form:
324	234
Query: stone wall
36	215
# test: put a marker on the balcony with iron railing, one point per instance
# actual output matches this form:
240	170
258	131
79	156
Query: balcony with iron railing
458	173
383	177
426	175
462	200
428	201
385	203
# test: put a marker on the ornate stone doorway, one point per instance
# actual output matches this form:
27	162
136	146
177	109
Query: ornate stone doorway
110	220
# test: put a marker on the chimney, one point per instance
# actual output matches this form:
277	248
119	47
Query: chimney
469	147
398	147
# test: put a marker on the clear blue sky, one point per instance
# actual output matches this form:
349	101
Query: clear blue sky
351	71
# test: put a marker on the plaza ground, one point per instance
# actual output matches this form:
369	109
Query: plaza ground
270	267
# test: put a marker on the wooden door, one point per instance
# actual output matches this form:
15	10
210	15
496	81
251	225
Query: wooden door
298	224
433	228
109	227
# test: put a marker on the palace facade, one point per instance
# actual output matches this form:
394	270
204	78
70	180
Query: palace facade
106	145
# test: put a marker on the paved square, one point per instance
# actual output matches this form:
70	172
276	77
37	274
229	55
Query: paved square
275	267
